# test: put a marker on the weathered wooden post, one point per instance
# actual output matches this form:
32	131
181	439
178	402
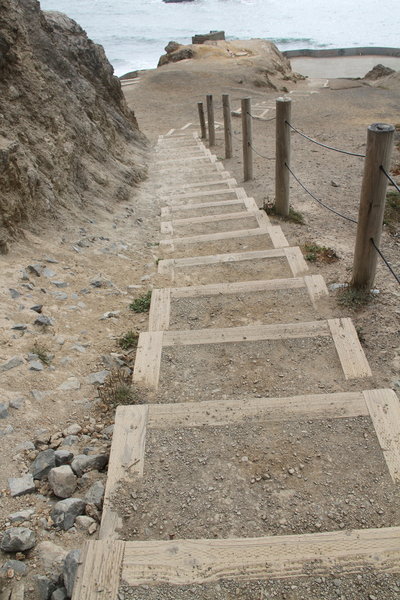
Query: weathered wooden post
247	137
210	117
282	142
202	120
226	105
372	204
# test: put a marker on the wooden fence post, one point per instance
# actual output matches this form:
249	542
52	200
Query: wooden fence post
282	142
247	136
226	104
372	204
202	120
210	117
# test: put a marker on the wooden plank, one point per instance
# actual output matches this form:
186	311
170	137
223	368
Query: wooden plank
348	347
384	408
178	160
214	237
278	237
167	228
160	309
207	167
249	333
263	219
126	460
296	261
213	259
148	358
271	410
99	573
250	203
239	287
166	267
184	562
208	193
316	287
166	213
179	207
211	218
186	186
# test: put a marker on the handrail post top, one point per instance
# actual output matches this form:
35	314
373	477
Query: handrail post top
381	128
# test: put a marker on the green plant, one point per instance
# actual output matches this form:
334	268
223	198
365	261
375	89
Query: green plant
392	212
354	298
129	340
117	389
294	216
41	352
321	254
141	304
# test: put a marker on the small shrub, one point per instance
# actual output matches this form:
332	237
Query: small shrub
354	298
294	216
117	389
320	254
141	304
129	340
42	353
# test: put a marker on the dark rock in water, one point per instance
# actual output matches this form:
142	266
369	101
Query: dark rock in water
378	71
206	37
18	539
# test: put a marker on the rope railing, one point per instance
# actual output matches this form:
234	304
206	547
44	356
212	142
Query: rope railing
385	260
392	181
318	200
259	153
310	139
256	118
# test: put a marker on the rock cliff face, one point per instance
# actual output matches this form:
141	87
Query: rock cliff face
67	136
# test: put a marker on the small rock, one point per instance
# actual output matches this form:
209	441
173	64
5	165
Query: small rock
18	539
95	494
93	512
83	522
19	327
108	431
17	403
7	430
110	314
73	429
21	485
17	566
35	270
62	481
63	457
70	440
60	295
83	463
43	321
12	363
71	564
44	587
3	410
98	377
51	556
36	365
65	512
78	348
60	284
72	383
48	272
14	293
37	308
334	184
42	464
21	515
60	594
51	260
25	446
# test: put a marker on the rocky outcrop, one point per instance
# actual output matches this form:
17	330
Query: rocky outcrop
67	137
379	71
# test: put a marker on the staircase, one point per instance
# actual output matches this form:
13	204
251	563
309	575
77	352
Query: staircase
218	247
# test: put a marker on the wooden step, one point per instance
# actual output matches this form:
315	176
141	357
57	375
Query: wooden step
160	308
293	255
168	227
342	331
184	187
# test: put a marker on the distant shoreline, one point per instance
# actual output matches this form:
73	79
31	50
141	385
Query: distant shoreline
343	52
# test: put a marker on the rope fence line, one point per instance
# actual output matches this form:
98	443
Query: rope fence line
317	199
392	181
310	139
385	260
258	153
261	118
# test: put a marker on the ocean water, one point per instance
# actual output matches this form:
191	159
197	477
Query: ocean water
134	32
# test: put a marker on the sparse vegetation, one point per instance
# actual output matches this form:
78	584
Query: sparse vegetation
117	389
129	340
319	254
141	304
354	298
294	216
42	353
392	212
